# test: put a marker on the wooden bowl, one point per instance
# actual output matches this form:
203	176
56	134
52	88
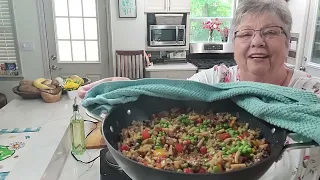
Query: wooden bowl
51	98
26	95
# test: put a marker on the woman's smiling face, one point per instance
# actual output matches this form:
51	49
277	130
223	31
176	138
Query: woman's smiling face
266	51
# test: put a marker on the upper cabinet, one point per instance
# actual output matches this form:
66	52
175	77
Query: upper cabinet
164	6
179	5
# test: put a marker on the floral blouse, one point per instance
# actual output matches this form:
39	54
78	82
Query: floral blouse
301	164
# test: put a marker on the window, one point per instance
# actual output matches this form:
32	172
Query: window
204	10
76	30
8	50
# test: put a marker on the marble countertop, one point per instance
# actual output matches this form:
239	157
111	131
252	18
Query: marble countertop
172	67
49	151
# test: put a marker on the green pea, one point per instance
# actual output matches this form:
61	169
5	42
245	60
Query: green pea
223	144
251	155
229	152
234	149
243	151
249	150
215	169
224	148
193	141
157	147
204	129
198	130
225	126
247	146
244	142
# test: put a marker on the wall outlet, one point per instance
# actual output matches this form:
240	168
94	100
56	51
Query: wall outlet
27	46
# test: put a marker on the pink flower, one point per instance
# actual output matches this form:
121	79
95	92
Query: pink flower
228	77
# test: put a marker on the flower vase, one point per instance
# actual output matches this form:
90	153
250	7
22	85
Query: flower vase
224	38
210	38
73	94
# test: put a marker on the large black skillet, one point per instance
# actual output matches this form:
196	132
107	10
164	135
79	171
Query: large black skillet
122	115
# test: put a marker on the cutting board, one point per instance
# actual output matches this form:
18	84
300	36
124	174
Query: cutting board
96	140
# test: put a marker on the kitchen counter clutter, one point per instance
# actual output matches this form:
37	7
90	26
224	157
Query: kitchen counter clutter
171	70
49	146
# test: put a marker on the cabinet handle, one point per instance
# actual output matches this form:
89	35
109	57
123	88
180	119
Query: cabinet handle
169	4
165	5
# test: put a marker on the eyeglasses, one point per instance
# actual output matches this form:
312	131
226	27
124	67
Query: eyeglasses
246	35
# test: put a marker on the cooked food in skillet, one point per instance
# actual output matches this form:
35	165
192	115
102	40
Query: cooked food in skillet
191	142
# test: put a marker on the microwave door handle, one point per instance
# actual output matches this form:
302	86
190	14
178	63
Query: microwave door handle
177	34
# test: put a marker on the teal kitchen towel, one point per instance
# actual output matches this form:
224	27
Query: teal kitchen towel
292	109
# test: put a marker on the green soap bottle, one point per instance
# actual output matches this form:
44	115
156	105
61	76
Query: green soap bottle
77	131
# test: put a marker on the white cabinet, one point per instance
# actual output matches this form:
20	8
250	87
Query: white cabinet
161	6
179	5
155	5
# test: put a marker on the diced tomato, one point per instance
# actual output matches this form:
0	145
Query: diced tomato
203	150
145	134
246	134
179	147
188	170
124	147
224	136
202	170
199	120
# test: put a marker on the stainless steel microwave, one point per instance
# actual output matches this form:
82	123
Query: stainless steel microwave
167	35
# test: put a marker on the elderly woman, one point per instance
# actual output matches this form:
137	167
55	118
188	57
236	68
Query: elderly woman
261	30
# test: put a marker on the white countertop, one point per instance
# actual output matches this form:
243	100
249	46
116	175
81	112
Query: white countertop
49	150
172	67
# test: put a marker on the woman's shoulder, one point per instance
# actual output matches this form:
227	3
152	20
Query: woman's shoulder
216	74
305	81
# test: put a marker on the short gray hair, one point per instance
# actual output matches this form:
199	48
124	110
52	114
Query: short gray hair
278	7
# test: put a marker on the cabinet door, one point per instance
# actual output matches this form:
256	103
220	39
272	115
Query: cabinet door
179	5
152	6
170	74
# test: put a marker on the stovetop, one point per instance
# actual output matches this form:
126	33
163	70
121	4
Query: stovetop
209	63
208	60
109	168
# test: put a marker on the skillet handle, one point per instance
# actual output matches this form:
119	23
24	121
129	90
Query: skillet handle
305	145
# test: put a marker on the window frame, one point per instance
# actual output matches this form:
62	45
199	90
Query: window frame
202	19
15	42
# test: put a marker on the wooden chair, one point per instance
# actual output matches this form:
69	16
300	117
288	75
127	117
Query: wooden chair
130	64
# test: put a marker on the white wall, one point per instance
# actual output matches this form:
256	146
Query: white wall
128	34
26	21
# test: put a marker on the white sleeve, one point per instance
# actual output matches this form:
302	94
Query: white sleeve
209	76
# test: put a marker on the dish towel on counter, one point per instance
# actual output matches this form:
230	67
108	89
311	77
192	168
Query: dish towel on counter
292	109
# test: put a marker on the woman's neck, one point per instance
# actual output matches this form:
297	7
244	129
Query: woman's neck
280	77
